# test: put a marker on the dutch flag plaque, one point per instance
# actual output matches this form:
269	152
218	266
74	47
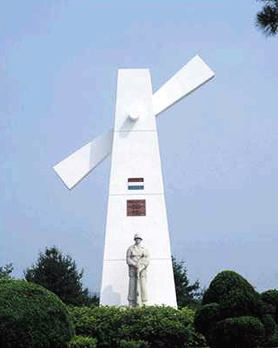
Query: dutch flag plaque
135	183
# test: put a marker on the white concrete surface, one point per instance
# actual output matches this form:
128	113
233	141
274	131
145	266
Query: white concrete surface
135	154
79	164
193	75
116	291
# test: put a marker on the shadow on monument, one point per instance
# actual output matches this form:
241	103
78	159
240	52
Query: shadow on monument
126	127
110	297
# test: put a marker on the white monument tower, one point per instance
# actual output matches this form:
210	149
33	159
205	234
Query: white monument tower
136	201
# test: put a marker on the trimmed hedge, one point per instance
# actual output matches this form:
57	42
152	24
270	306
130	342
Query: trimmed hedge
124	326
273	341
271	298
31	316
83	342
270	326
233	293
233	311
132	344
207	317
240	332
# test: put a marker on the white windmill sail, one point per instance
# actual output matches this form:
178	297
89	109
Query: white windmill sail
75	167
192	76
79	164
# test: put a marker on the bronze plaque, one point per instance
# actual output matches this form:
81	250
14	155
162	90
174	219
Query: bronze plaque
135	179
136	207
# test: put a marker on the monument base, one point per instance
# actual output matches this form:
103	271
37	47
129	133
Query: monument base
161	287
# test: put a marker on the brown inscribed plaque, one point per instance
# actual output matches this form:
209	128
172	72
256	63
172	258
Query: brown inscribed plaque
135	179
136	207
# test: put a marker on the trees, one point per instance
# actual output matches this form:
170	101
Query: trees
6	271
187	295
267	18
58	273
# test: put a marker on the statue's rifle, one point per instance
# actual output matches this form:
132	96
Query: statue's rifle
137	288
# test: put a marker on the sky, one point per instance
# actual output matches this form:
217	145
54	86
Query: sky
218	146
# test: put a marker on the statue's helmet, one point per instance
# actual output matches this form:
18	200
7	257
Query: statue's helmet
137	236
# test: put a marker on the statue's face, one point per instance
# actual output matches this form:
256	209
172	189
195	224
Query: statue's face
138	241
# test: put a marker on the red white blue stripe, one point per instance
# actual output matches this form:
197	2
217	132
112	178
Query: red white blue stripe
135	183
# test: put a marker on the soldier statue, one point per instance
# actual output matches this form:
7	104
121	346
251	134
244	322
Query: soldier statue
138	259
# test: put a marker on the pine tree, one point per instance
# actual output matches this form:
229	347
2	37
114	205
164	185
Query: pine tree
58	273
6	271
187	294
267	18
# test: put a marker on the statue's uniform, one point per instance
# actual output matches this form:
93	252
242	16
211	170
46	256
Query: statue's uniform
137	255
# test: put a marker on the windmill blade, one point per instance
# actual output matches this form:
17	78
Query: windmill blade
193	75
75	167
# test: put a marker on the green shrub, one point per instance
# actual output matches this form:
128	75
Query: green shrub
273	341
132	344
271	297
31	316
240	332
232	308
194	338
270	327
83	342
155	325
206	318
262	308
233	293
188	313
99	322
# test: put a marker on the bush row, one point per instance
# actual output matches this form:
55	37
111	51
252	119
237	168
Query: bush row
83	342
153	326
233	314
33	317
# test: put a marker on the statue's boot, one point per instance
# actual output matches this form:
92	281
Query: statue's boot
132	303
